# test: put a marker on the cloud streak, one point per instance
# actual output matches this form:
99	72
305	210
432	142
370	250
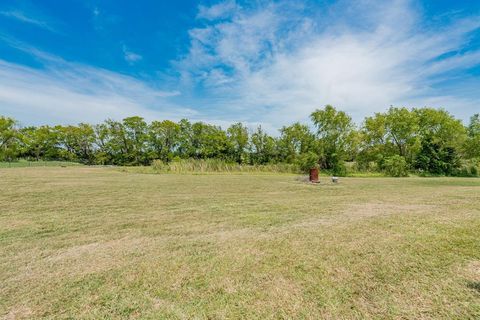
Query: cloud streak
23	17
65	92
131	57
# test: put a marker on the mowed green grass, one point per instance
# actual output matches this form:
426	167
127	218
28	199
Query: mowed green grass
94	243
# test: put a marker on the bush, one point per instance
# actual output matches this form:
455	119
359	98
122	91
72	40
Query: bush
339	169
307	161
395	166
468	168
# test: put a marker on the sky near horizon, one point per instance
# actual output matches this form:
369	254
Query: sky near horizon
258	62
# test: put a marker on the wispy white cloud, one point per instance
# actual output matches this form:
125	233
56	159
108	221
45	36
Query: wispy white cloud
130	56
218	11
65	92
276	63
271	63
26	18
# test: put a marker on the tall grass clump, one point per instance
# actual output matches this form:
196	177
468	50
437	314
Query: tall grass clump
468	168
217	165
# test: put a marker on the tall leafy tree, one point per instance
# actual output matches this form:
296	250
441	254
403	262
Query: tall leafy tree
164	139
117	143
472	143
103	151
185	140
337	137
262	147
295	140
402	127
78	142
395	132
436	158
209	141
237	135
41	143
9	144
135	136
440	126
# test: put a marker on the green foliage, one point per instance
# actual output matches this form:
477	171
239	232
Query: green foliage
9	143
395	166
237	135
164	139
296	140
392	133
429	140
42	143
336	136
78	142
262	148
437	159
307	161
472	143
468	168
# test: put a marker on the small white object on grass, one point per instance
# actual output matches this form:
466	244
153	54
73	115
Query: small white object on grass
334	179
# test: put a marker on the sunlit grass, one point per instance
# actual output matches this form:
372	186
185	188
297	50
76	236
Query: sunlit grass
82	242
40	163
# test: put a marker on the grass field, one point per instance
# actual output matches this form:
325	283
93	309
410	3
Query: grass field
83	242
40	163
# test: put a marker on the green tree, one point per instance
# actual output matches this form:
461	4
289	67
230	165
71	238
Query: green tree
208	141
262	147
395	166
472	143
103	151
124	142
337	137
395	132
116	143
135	136
440	126
9	139
40	143
185	140
164	139
437	158
296	140
402	126
237	135
78	142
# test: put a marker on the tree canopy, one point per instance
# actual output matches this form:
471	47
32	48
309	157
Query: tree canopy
426	140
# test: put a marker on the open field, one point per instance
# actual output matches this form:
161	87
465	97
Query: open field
40	163
82	242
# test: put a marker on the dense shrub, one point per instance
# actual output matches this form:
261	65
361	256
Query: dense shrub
437	159
307	161
339	169
395	166
468	168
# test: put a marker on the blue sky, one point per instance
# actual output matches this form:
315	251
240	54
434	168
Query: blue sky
259	62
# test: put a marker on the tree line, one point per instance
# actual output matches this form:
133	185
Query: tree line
424	140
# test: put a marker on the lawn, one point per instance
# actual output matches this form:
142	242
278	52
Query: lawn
82	242
40	163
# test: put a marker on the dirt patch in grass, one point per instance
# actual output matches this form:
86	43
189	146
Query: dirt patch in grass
472	275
